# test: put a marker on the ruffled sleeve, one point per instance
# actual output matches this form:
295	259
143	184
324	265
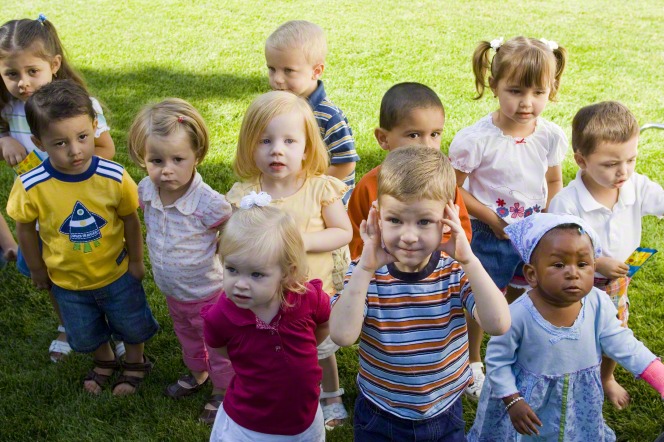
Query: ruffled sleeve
322	309
333	190
465	152
216	210
558	145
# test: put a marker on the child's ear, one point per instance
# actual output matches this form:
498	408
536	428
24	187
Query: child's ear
381	137
580	160
56	63
95	123
37	142
318	71
530	274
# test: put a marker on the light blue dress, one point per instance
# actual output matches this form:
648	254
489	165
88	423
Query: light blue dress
557	371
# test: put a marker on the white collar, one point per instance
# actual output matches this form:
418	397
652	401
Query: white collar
626	194
186	204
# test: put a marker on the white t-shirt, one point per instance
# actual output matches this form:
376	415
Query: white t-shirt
507	174
619	229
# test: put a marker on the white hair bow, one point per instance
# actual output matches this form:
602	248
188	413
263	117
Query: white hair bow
550	43
496	43
255	199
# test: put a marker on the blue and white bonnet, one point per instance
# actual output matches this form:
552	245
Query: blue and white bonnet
526	234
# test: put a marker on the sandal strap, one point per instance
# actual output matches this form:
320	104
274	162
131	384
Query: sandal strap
98	378
113	364
134	381
61	347
331	394
145	366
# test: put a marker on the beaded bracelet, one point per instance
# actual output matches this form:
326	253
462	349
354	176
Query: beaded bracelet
512	402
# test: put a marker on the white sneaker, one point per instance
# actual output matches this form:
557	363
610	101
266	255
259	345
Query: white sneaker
473	390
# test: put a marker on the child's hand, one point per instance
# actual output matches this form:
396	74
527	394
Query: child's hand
457	246
498	228
40	278
373	255
611	268
523	418
13	152
136	269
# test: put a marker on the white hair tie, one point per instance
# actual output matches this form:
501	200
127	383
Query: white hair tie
254	199
550	43
496	43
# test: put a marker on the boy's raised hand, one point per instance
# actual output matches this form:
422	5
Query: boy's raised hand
373	255
457	246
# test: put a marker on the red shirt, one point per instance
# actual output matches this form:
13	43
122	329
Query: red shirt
276	385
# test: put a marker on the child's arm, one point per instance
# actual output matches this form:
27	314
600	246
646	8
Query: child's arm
554	182
341	170
338	231
28	239
348	312
13	152
492	312
7	243
322	332
134	242
104	146
611	267
479	210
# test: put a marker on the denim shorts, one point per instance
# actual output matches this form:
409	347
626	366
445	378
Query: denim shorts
498	257
370	424
92	316
21	265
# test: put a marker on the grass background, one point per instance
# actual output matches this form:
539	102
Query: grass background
133	52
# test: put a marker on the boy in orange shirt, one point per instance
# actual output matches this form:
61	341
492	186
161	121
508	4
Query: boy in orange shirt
411	114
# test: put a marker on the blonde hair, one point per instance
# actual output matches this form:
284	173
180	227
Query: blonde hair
274	236
163	119
259	114
608	121
303	35
528	62
412	173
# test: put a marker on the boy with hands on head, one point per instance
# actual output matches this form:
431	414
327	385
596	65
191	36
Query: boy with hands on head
405	299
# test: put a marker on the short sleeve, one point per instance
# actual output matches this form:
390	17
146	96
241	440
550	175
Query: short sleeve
651	195
129	200
214	322
19	206
563	204
102	125
465	152
216	209
558	146
239	190
142	188
338	138
333	190
321	312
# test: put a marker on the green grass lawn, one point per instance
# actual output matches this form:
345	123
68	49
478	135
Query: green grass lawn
211	53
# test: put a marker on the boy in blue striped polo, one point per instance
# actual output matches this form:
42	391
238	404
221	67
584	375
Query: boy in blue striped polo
91	253
295	55
405	299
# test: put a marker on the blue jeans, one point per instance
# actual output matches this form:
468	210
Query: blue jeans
370	423
92	316
498	257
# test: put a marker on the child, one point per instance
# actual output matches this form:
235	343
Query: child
543	375
280	152
412	114
509	162
295	55
182	216
92	255
268	322
31	56
8	246
612	199
405	300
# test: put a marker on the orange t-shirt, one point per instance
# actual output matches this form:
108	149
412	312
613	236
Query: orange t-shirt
366	192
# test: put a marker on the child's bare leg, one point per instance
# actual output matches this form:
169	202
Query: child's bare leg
613	391
62	336
103	353
7	241
330	383
134	355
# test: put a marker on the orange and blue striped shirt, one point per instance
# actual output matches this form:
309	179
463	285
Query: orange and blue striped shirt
414	343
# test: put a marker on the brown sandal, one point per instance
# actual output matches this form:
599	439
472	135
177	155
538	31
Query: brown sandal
208	416
102	379
145	367
176	390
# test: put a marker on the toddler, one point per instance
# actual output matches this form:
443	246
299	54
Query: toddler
92	248
544	374
509	162
268	321
405	299
281	153
182	216
612	199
